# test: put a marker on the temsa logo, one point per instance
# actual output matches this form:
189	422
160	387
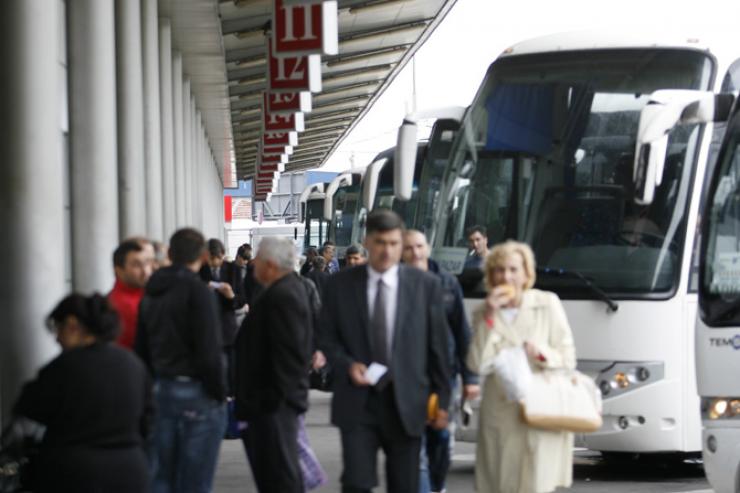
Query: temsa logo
733	342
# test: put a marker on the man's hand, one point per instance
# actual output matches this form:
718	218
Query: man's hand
225	289
318	361
440	423
357	374
470	392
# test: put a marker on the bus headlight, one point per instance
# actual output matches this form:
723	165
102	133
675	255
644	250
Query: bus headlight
720	408
622	380
616	378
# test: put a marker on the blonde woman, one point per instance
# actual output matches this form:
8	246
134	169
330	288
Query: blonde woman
511	457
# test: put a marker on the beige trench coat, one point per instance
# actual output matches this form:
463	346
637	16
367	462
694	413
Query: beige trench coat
511	457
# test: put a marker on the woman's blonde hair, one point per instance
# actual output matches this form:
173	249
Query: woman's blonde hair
500	252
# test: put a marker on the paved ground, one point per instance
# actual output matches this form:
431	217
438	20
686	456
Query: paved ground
592	473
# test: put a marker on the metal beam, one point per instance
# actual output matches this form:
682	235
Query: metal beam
339	101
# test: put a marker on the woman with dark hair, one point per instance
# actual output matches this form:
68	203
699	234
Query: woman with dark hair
94	400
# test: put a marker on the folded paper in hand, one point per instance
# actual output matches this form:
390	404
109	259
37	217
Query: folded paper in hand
512	368
374	372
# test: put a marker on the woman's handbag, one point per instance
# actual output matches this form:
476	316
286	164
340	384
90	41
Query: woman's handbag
562	400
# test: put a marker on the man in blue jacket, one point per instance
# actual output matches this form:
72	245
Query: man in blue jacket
416	253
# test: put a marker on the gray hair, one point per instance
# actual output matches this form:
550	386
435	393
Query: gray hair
279	250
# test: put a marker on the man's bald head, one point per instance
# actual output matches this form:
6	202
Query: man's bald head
416	249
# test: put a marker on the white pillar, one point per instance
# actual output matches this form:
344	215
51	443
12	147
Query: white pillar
169	203
152	127
31	188
194	132
177	118
130	88
198	191
93	152
186	154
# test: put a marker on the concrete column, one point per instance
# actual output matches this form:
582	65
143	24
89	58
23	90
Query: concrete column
152	127
187	124
198	192
130	88
93	151
202	166
167	127
31	188
194	132
177	118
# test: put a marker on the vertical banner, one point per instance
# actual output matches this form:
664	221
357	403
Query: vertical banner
227	209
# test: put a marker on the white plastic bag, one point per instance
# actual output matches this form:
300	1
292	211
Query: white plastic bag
512	368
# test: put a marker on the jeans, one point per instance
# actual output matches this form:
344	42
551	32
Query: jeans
186	438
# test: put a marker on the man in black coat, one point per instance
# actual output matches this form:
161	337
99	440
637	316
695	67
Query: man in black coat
224	279
273	354
392	315
179	339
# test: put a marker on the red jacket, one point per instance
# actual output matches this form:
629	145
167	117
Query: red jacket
125	300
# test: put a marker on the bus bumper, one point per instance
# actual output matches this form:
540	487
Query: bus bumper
721	450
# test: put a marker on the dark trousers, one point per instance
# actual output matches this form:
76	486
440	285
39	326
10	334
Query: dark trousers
271	442
360	446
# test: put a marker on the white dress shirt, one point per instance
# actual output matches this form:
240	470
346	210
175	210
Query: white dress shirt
390	282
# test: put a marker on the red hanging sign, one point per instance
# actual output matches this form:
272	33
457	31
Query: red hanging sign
305	27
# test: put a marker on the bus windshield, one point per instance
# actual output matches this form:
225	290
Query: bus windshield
345	202
546	154
720	275
433	166
384	195
316	225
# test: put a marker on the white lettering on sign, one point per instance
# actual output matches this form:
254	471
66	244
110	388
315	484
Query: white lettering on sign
289	102
305	28
291	68
293	73
279	138
450	259
305	11
280	121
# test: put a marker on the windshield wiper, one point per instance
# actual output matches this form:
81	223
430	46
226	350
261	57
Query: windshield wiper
613	305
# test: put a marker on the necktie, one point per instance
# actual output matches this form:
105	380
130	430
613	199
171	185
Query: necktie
379	327
214	273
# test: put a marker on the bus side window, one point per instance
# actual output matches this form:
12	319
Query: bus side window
730	83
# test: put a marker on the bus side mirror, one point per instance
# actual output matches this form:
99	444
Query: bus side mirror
405	161
370	183
665	110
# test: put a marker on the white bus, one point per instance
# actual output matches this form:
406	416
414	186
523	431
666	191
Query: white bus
718	324
546	155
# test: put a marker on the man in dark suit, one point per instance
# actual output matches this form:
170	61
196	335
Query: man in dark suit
392	315
224	279
273	354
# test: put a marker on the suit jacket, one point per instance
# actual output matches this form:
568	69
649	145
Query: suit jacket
419	361
273	351
227	273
